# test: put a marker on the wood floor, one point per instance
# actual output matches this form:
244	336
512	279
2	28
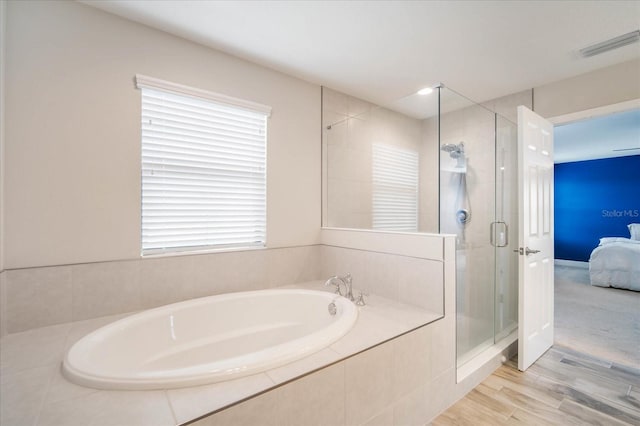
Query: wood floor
563	387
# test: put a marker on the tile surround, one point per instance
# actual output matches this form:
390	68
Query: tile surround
45	291
406	279
37	297
369	383
403	376
105	288
134	408
53	400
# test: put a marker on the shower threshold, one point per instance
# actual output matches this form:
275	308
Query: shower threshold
494	351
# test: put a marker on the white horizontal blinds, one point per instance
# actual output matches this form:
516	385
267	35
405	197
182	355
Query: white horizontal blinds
395	188
203	173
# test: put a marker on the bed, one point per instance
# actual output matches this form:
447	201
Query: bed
616	263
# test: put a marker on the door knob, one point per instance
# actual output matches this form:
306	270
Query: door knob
526	251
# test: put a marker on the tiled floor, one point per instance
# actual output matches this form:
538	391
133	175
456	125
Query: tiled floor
563	387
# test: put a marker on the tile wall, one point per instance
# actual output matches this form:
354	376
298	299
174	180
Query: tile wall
350	128
411	280
38	297
404	381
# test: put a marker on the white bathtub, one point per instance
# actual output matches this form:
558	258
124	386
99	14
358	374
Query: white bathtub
208	340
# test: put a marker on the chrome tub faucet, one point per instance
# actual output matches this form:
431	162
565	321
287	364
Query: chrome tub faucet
346	281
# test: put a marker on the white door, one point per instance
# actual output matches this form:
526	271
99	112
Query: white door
535	203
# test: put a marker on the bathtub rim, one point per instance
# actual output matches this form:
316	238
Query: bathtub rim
283	352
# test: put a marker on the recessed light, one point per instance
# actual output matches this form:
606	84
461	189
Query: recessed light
425	91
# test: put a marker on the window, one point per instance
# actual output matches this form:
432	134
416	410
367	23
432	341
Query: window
395	188
203	169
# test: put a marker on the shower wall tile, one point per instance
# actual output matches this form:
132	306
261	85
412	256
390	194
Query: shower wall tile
429	194
507	106
105	288
347	154
334	105
45	291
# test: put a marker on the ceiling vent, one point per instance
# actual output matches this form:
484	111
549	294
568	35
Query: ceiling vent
611	44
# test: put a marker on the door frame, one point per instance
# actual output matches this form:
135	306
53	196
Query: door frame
594	112
589	114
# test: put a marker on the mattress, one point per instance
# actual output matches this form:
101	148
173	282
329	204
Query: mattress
616	263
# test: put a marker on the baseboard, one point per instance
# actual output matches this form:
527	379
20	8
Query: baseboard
572	263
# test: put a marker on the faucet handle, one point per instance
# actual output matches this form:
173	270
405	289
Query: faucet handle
360	300
348	278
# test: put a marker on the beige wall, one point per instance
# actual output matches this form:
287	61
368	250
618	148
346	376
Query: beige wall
606	86
72	186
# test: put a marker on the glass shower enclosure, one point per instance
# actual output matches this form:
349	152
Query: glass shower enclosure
478	203
433	161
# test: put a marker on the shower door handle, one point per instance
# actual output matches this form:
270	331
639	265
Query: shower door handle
526	251
503	229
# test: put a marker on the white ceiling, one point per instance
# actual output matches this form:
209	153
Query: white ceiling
384	50
614	135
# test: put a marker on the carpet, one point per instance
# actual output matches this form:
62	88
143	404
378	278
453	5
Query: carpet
602	322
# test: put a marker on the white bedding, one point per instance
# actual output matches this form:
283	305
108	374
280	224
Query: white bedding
616	263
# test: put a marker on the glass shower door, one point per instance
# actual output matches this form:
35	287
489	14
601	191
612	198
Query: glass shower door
468	209
506	228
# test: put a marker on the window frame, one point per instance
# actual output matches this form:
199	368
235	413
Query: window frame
256	112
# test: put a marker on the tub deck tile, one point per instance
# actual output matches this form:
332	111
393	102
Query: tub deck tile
30	365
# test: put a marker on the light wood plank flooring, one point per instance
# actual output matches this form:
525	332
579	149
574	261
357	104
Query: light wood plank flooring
563	387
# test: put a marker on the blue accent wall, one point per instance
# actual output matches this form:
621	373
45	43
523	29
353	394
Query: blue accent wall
594	199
